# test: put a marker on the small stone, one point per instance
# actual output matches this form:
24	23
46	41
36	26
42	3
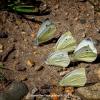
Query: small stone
93	75
16	91
20	68
69	90
82	21
63	73
1	48
91	92
33	35
23	78
3	35
76	19
56	6
66	13
98	30
83	35
88	15
30	63
45	89
38	68
23	33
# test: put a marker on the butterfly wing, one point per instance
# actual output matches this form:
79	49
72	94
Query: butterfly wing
66	42
86	42
58	58
75	78
85	54
45	33
43	26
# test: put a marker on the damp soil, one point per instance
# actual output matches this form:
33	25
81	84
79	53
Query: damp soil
18	46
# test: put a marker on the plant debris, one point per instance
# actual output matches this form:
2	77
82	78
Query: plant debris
5	54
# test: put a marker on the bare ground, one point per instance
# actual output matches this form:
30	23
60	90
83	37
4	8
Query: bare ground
68	15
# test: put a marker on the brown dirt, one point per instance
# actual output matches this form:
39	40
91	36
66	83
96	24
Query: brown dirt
77	17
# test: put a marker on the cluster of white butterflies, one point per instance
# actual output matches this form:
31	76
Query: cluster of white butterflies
67	50
85	51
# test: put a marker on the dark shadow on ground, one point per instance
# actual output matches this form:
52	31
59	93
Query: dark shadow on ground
53	40
97	60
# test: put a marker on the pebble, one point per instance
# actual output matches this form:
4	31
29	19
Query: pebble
16	91
69	90
39	68
56	6
33	35
98	30
63	73
1	48
91	92
66	13
45	89
23	78
76	19
20	68
83	35
30	63
93	75
82	21
3	34
7	52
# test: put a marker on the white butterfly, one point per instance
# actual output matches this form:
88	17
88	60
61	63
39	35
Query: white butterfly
75	78
85	51
86	42
45	33
66	42
58	58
